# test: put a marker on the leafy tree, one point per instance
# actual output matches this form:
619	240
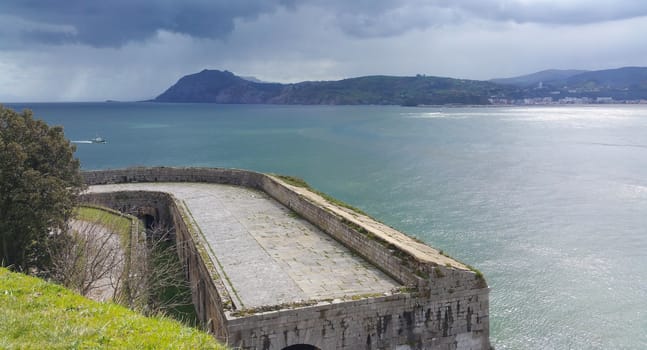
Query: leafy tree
39	183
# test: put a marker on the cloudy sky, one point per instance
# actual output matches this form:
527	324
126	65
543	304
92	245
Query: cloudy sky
79	50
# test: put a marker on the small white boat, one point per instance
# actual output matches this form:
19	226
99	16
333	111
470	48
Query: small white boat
98	139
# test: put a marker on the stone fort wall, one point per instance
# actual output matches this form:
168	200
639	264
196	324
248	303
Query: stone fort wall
440	307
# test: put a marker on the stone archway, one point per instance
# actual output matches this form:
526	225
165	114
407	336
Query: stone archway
149	216
149	221
301	347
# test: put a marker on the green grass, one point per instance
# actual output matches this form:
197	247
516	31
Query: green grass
116	223
40	315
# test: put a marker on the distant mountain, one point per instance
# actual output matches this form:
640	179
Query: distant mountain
224	87
621	84
539	77
621	78
219	87
628	84
253	79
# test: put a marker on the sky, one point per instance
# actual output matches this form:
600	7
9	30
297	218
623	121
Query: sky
80	50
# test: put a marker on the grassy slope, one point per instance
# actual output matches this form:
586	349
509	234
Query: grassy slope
115	223
40	315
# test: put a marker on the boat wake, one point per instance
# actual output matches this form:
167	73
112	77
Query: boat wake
94	140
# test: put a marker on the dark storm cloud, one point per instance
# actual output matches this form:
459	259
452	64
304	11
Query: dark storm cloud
378	18
551	11
115	22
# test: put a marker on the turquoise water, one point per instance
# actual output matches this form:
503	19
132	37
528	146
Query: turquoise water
549	202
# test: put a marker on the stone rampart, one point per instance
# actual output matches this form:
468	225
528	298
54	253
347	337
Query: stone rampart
209	296
444	305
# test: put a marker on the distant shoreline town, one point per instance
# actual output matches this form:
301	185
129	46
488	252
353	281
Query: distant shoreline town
545	101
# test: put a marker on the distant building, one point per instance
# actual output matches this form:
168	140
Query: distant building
574	100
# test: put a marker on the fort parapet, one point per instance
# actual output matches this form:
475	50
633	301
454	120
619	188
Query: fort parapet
275	265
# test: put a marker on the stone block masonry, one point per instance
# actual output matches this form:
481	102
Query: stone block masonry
269	265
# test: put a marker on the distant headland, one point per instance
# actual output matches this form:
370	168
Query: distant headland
622	85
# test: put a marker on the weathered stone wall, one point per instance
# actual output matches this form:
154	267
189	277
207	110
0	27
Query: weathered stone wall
165	174
401	321
136	203
445	307
207	294
370	249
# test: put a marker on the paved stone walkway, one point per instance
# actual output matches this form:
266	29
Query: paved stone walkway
270	255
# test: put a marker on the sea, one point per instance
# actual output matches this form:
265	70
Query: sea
550	202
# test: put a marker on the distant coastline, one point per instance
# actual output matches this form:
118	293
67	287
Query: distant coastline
626	85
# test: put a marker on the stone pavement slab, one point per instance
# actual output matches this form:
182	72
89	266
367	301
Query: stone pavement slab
269	254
